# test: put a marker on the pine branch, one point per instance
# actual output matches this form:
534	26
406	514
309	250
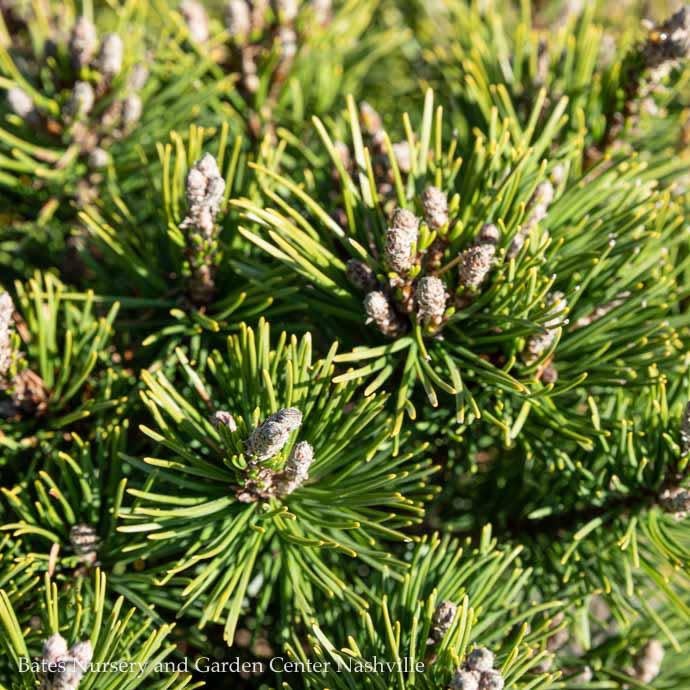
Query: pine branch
255	439
499	333
54	343
436	627
81	638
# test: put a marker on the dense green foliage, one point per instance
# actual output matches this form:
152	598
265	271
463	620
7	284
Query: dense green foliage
352	335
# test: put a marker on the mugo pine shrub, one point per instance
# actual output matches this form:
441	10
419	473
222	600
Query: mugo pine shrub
344	344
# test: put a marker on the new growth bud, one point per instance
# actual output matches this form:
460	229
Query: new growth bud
431	298
110	57
270	437
442	620
475	265
648	662
380	312
138	77
73	663
464	680
489	234
478	672
205	188
84	541
559	174
401	239
82	100
54	648
491	680
98	158
238	20
20	103
404	219
296	470
195	17
83	41
361	276
222	418
543	195
435	205
82	653
477	261
480	659
132	108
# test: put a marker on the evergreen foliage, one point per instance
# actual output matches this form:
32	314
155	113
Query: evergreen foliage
275	515
350	335
94	634
484	594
